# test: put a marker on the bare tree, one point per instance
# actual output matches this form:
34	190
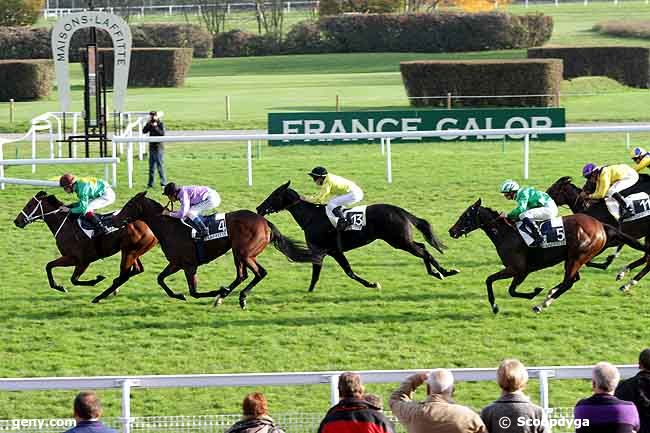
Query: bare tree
270	17
212	13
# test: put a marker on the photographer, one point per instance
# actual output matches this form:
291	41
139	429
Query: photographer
155	128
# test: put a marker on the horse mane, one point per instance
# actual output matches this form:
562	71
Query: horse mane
154	203
492	213
52	200
304	201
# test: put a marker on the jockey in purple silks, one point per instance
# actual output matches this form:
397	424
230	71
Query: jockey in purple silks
193	201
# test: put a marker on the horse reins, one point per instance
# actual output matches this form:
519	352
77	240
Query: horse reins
30	218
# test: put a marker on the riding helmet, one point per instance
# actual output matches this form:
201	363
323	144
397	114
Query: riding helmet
509	185
170	189
67	180
638	152
318	172
588	169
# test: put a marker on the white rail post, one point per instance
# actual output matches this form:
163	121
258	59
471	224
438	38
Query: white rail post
334	389
249	157
140	144
2	167
113	154
389	162
126	406
33	148
383	146
51	141
526	151
543	389
129	163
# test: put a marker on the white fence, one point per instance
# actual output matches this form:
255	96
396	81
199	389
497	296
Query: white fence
385	139
131	424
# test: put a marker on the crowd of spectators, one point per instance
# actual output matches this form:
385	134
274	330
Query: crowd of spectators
613	406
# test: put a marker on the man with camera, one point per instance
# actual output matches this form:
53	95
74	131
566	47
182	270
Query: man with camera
155	128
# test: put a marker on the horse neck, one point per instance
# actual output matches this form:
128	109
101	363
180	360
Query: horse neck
302	212
576	204
155	220
55	220
494	229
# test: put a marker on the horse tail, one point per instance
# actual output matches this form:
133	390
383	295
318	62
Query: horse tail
425	228
614	234
294	250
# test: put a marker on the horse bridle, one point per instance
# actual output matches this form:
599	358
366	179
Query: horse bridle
39	206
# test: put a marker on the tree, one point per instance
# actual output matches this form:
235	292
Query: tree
212	14
20	12
270	17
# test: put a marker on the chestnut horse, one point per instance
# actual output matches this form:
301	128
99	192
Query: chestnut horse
79	251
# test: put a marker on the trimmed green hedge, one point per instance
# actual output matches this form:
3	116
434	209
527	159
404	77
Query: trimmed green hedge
28	43
153	67
25	80
628	65
337	7
484	78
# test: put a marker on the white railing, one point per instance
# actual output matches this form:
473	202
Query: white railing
134	128
127	383
385	139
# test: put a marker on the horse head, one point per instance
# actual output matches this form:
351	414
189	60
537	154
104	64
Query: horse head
563	191
469	221
278	200
38	207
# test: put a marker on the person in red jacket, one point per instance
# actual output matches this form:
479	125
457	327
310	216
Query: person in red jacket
353	414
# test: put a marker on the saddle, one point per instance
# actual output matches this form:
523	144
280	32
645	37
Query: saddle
89	230
638	202
355	216
216	225
552	233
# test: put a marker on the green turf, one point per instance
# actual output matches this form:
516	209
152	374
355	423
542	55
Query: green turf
415	321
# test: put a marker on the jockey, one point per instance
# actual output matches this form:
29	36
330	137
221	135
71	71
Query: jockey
640	157
610	181
193	201
92	193
335	192
532	205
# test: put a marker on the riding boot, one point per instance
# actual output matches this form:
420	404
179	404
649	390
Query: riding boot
98	225
625	211
533	231
342	222
197	224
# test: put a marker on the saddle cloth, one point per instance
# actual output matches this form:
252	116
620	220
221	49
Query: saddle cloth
552	233
89	229
639	202
216	224
356	216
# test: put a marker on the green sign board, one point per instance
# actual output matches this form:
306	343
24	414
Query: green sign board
422	120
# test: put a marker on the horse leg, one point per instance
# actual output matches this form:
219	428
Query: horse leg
126	271
516	281
627	268
78	272
316	267
170	269
62	261
343	262
137	267
192	284
240	275
608	261
434	268
634	281
501	275
259	272
571	275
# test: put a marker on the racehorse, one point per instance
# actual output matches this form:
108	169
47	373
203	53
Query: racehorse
248	235
585	238
564	192
79	251
389	223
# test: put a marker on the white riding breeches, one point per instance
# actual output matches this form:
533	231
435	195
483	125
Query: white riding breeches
212	201
630	179
105	200
354	196
541	213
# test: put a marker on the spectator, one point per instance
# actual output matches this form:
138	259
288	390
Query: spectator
87	411
353	414
256	417
155	128
602	412
637	390
438	413
374	400
513	405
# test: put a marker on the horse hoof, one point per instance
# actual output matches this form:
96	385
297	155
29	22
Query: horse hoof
217	301
180	297
242	303
60	289
100	278
453	271
537	291
620	276
376	285
495	309
537	309
116	292
96	300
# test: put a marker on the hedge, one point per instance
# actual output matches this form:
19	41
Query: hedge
25	80
337	7
28	43
624	29
628	65
153	67
237	43
484	78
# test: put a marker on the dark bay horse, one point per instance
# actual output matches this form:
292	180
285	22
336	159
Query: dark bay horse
248	235
585	238
564	192
386	222
77	250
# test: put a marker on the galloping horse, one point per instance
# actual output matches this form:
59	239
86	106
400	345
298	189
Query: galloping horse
585	238
389	223
79	251
564	192
248	235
